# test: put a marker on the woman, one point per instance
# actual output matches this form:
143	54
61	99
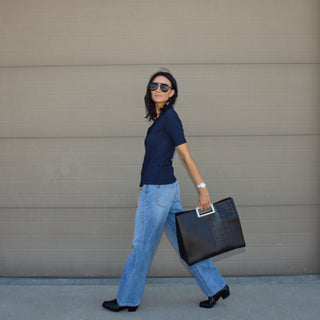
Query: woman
159	199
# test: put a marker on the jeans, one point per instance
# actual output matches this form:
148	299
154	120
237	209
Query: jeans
156	210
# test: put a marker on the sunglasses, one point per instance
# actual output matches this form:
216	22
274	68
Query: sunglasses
163	86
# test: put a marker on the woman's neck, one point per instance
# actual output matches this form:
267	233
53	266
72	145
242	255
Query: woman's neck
158	107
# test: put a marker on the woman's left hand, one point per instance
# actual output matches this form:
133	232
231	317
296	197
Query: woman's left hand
204	199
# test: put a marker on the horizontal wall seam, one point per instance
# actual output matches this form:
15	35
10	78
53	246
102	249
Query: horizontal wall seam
157	65
188	136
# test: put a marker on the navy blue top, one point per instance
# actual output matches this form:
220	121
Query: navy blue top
162	138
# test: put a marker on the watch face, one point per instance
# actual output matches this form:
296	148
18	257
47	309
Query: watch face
202	185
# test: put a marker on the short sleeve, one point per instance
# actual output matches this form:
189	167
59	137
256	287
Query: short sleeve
174	127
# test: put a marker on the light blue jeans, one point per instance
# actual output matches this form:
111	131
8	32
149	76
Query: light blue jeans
156	210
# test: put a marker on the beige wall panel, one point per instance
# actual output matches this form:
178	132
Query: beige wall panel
72	81
108	101
95	242
70	32
76	172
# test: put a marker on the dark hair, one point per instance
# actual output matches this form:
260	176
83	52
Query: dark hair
151	113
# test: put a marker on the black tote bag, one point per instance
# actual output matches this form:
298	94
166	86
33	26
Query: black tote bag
205	235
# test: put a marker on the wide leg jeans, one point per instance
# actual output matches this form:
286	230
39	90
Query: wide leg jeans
156	210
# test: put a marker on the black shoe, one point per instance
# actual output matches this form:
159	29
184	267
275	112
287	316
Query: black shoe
223	293
113	306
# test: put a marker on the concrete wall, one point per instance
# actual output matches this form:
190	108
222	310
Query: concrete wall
72	81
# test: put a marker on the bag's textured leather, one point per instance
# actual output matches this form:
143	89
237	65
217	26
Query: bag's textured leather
208	236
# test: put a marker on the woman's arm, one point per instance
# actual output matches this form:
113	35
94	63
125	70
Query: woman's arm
204	197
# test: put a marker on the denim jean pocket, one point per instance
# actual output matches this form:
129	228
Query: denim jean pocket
164	195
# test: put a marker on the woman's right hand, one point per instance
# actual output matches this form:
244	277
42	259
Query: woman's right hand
204	199
137	201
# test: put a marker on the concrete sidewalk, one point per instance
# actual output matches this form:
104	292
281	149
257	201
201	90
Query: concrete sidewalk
271	298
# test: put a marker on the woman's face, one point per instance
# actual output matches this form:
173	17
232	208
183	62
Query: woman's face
158	96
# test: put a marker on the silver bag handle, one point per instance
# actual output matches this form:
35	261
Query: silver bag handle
206	212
